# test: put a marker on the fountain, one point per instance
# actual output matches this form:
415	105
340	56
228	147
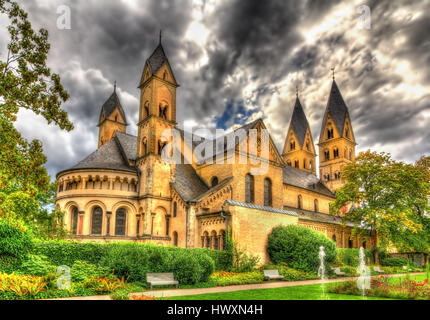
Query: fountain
363	281
321	272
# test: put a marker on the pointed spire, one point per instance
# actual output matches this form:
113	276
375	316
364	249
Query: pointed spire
337	108
114	86
299	122
161	34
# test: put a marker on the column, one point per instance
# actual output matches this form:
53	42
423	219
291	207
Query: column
108	219
81	216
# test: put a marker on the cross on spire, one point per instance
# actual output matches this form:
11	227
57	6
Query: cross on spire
114	86
161	34
332	69
297	91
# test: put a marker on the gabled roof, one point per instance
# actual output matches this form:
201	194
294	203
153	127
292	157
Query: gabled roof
299	122
337	108
318	216
188	183
111	104
258	207
128	144
305	180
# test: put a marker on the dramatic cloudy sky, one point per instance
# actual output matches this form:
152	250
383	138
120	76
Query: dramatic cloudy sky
240	60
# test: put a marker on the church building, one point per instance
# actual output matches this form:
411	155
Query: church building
125	191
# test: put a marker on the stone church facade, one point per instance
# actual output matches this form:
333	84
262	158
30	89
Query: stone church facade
125	190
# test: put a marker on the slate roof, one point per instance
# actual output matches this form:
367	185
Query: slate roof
305	180
257	207
317	216
157	58
337	108
188	183
111	104
299	122
108	156
128	144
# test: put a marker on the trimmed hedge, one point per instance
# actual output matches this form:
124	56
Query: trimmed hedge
298	247
134	260
395	262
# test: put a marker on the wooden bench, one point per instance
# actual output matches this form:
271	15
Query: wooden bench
272	275
161	279
376	269
338	272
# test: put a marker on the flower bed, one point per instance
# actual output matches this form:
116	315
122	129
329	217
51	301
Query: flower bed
383	286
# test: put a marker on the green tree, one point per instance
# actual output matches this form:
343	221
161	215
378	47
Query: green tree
390	200
26	82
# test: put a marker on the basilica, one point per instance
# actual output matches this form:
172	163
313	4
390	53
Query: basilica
125	191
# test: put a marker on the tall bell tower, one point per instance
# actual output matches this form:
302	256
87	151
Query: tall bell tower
337	141
157	113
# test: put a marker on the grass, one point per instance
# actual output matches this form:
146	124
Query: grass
307	292
303	292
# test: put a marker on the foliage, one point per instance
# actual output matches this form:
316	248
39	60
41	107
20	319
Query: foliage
186	268
62	252
391	198
136	260
348	256
104	285
394	262
225	278
298	247
400	288
82	271
15	239
290	274
9	264
36	265
22	285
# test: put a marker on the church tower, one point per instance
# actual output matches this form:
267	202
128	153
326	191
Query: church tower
157	113
337	142
299	150
112	118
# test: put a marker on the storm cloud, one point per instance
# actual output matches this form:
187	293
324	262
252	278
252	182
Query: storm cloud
240	60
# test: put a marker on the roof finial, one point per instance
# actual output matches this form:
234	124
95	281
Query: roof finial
114	86
332	69
297	90
161	34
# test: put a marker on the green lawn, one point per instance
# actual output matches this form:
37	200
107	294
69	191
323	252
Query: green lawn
304	292
308	292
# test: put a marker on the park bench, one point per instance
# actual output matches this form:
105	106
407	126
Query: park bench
272	275
161	279
378	270
338	272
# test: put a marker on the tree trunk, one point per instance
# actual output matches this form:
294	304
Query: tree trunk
375	245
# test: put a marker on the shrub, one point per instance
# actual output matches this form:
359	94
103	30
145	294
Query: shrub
36	265
15	239
225	278
186	268
21	285
298	247
104	285
9	264
348	256
82	270
61	252
134	260
290	274
394	262
207	264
